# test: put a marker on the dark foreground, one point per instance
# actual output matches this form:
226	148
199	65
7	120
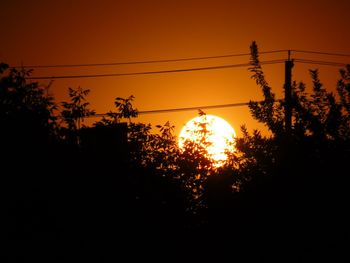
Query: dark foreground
60	209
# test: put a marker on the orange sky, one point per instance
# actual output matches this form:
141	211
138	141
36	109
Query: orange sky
75	32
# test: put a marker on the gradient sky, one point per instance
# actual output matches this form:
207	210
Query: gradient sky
75	32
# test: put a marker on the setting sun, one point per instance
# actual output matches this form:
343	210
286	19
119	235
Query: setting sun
212	132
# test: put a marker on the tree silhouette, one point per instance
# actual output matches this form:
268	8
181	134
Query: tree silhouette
319	119
343	89
159	152
26	109
163	155
269	111
279	186
125	108
74	112
305	165
319	114
195	164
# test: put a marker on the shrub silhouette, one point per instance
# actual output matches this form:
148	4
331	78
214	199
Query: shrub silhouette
73	114
26	111
283	186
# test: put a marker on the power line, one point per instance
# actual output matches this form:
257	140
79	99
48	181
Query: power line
147	61
120	63
320	53
195	108
183	109
230	105
154	72
320	62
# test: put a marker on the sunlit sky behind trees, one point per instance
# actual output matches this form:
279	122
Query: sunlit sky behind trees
79	32
96	193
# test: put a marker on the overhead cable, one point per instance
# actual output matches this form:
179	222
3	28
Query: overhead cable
320	62
183	109
154	72
146	61
320	53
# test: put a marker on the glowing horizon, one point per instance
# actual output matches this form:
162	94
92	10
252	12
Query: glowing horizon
220	135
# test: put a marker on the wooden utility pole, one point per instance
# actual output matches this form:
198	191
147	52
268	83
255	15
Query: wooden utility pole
288	94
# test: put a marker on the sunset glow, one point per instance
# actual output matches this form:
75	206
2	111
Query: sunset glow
219	135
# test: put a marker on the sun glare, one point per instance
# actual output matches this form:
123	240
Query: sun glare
219	134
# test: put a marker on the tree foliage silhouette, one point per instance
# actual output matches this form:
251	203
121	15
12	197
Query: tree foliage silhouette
318	114
343	89
163	153
159	152
26	108
195	164
125	108
300	178
269	111
320	126
74	112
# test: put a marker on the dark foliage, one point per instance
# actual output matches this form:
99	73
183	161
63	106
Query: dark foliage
295	183
26	111
73	114
127	188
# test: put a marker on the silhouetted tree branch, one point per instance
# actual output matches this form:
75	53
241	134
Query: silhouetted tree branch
75	111
269	111
26	109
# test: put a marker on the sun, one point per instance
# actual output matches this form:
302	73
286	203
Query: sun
212	132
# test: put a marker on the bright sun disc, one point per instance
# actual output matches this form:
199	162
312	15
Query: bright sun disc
220	136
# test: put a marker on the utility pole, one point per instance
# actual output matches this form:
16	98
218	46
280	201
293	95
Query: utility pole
288	94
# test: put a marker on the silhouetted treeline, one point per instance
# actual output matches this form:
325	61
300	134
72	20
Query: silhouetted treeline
94	193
